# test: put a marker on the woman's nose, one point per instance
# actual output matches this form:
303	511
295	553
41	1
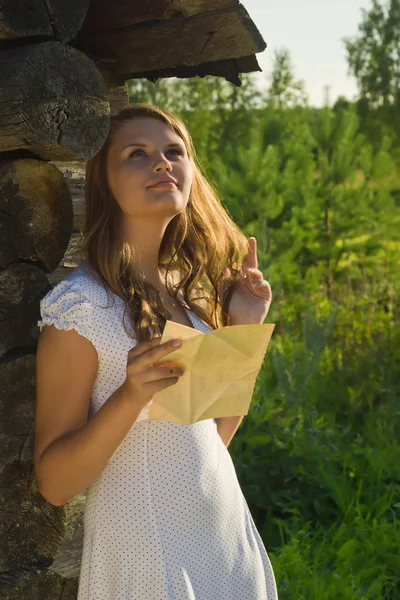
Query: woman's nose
162	163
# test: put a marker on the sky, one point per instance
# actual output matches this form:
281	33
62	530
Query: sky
312	31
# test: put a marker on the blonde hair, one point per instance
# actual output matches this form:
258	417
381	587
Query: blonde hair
199	243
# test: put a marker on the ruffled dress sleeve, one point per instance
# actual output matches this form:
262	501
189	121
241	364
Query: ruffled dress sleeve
67	307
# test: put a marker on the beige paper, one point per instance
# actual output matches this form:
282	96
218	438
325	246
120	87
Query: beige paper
221	368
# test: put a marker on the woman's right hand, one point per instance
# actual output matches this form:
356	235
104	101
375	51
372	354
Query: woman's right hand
145	375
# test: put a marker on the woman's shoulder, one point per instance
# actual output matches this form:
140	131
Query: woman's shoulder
82	279
81	282
78	302
78	295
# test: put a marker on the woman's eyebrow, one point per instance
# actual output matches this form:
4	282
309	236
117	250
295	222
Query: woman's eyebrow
141	145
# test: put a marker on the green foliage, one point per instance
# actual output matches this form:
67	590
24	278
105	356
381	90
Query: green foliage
374	59
317	456
315	194
374	56
285	91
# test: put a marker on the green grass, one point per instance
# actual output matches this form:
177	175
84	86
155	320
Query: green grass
356	559
318	455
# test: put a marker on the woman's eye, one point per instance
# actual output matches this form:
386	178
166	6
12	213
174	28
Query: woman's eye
178	151
135	152
173	150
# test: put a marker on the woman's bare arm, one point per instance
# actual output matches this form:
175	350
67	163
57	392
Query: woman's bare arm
71	452
227	427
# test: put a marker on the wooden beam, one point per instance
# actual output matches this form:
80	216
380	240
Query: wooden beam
104	15
178	42
58	19
229	69
53	102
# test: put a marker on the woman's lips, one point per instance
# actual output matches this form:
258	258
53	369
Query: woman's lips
164	184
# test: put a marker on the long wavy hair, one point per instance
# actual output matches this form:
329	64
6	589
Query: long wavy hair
198	243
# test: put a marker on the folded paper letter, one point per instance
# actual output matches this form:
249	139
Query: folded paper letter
221	368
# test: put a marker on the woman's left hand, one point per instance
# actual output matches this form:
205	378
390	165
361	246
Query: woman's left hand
252	296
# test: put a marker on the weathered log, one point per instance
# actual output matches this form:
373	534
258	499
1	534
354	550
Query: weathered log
34	535
179	41
58	19
17	410
36	213
103	14
67	562
21	288
53	101
117	92
31	529
68	262
74	177
43	585
118	98
229	69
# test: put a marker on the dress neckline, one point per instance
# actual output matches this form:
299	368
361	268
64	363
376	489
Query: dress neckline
185	305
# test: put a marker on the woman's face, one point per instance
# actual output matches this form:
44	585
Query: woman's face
143	151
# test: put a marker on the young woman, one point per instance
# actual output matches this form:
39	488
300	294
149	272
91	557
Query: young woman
165	517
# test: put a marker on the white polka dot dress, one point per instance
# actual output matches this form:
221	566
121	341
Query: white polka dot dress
166	519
